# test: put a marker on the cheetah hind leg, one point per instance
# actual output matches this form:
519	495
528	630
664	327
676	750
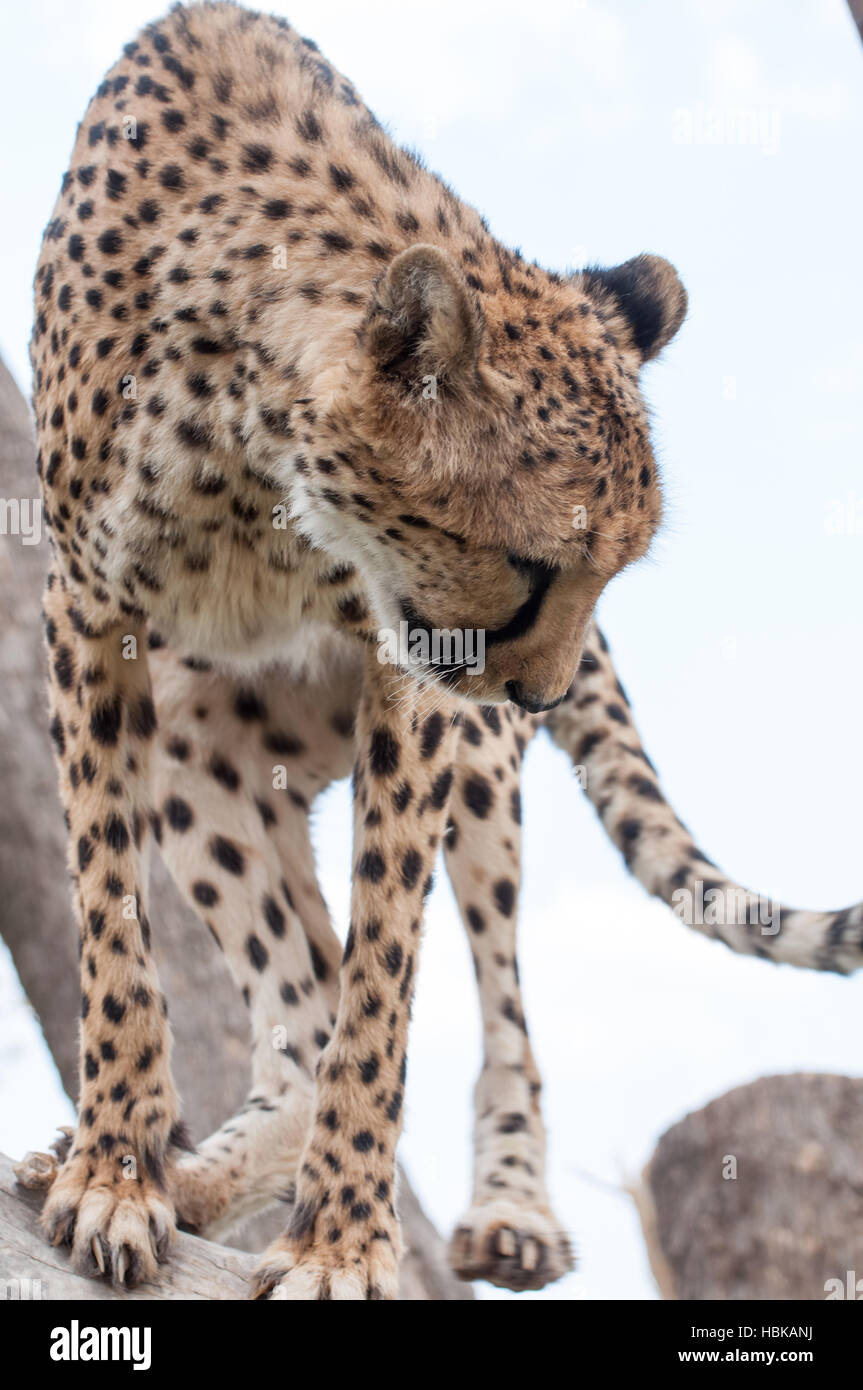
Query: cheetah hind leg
509	1235
213	783
37	1171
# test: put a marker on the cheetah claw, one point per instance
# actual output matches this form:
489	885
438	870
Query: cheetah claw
117	1230
316	1278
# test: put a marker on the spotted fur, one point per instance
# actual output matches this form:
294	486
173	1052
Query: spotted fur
243	296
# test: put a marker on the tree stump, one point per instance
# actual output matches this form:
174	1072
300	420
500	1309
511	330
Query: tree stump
760	1194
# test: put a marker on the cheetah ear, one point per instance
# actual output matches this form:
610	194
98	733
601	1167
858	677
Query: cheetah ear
648	291
423	322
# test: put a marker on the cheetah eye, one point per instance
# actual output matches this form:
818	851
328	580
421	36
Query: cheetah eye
536	572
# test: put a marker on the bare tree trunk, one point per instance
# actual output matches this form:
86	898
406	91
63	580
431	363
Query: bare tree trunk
856	8
760	1194
209	1022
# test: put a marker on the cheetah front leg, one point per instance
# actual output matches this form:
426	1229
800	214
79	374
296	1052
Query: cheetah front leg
343	1242
109	1201
509	1235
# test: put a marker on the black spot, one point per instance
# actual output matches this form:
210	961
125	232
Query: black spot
226	853
110	242
490	717
285	744
64	668
383	753
197	436
276	208
105	722
629	831
336	241
248	706
113	1009
256	158
393	958
142	717
441	789
475	920
644	787
274	916
178	814
512	1124
116	834
204	893
341	178
477	795
172	177
587	746
432	733
224	773
372	866
309	126
257	951
411	866
504	896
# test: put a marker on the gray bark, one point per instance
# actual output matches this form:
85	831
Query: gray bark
788	1222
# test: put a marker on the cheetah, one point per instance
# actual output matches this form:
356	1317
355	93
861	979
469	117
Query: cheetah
291	394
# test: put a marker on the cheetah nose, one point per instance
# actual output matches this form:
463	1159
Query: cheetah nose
519	696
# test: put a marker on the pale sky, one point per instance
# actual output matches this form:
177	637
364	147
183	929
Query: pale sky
588	131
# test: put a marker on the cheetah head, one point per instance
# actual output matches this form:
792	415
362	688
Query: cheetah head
487	465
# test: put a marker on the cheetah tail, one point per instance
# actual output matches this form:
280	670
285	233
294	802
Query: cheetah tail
594	726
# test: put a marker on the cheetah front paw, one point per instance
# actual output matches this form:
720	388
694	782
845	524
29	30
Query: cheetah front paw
116	1226
513	1246
327	1275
